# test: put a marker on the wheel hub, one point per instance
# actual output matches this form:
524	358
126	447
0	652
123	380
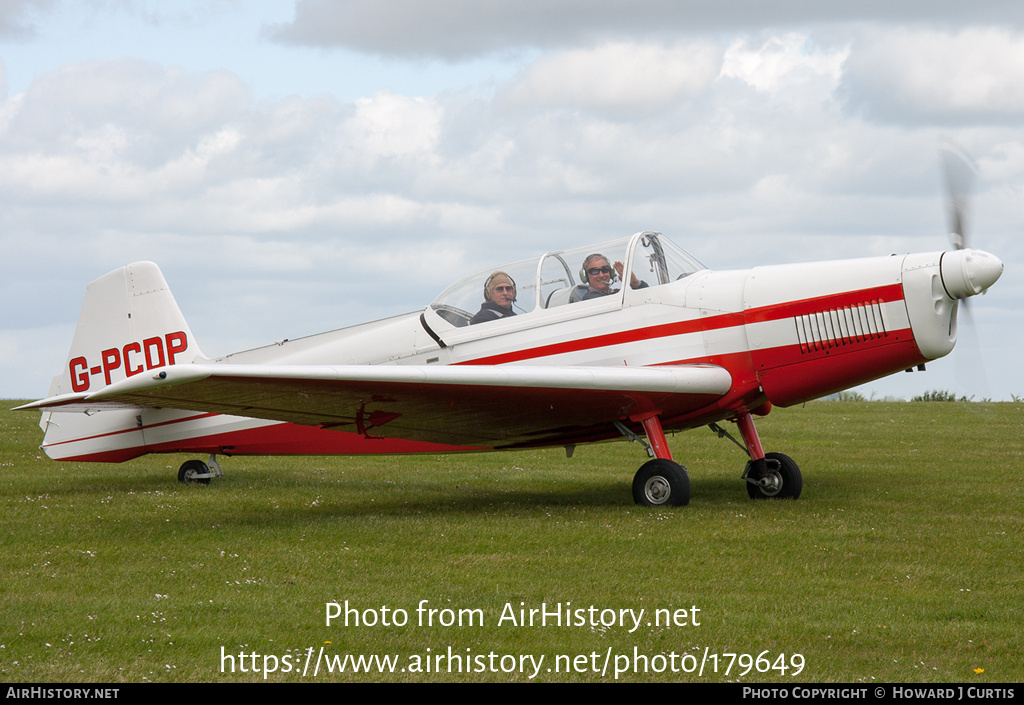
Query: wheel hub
657	490
770	484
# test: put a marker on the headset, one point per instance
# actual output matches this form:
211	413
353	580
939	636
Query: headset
499	273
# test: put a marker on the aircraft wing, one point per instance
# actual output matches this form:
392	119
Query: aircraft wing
489	406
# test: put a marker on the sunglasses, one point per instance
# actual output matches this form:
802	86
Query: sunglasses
505	288
594	271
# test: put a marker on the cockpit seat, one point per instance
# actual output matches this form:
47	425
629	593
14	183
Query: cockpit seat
568	295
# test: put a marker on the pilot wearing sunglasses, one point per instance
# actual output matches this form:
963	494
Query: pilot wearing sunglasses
499	294
599	277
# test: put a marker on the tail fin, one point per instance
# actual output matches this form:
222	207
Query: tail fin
129	324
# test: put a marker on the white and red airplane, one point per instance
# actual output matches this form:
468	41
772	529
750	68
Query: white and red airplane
678	347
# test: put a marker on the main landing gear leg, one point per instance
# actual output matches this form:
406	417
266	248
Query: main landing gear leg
660	481
768	475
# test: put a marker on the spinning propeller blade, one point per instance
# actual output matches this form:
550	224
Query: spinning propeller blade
959	173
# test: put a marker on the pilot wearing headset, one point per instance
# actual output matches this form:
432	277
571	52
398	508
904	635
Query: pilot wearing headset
597	274
499	294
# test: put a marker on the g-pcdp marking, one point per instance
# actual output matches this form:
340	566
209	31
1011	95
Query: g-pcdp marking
150	354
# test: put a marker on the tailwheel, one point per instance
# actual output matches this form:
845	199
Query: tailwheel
780	478
661	482
194	472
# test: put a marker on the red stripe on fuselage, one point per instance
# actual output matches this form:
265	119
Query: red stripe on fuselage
129	430
787	309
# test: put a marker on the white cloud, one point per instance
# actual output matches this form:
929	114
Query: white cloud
620	78
1004	162
783	61
277	216
389	125
939	78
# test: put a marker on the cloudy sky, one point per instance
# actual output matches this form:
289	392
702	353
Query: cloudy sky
300	166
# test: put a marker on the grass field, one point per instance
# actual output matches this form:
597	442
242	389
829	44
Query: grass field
901	562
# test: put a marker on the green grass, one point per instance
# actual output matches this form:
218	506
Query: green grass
901	562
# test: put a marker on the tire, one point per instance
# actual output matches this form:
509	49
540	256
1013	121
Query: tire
661	482
792	482
189	469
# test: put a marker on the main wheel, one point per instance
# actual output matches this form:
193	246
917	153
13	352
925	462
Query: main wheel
661	482
190	468
785	480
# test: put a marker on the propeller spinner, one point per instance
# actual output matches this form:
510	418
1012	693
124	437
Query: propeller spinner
966	271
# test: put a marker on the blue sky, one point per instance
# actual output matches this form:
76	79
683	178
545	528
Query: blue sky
205	36
298	167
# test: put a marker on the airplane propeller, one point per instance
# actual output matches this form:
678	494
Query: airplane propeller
966	271
959	172
975	270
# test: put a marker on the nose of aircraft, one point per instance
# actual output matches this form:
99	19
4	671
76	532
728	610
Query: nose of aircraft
969	272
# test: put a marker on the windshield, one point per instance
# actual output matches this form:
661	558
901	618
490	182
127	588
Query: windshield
461	301
657	260
564	277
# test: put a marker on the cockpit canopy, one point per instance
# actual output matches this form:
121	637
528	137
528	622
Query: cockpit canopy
557	278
